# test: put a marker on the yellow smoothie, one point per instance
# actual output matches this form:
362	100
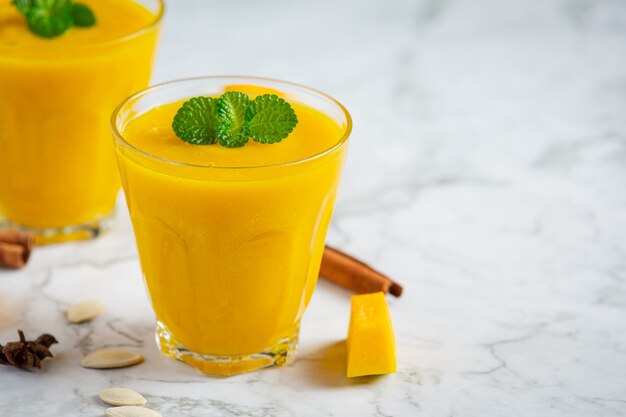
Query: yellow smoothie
231	240
57	165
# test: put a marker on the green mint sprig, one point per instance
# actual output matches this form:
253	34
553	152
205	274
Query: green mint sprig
234	118
231	113
22	5
52	18
83	16
196	121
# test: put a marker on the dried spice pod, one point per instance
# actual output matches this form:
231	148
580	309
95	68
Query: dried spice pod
25	353
46	339
3	359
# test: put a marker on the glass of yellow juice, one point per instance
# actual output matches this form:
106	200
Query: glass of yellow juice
230	239
58	175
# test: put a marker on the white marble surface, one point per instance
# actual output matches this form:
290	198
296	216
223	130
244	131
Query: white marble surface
487	173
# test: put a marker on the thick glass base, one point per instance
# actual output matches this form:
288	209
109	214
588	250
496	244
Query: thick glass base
281	353
50	235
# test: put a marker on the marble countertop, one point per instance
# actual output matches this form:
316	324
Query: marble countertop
487	173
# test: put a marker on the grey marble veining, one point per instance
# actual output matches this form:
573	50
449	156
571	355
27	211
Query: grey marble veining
487	173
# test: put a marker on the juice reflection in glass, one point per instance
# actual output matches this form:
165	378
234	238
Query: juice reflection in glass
58	175
230	240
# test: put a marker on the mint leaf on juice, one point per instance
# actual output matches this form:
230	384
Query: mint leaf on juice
49	18
196	121
232	119
82	15
52	18
22	5
231	113
270	119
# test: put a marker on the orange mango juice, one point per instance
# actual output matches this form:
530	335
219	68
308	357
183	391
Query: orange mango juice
230	240
57	165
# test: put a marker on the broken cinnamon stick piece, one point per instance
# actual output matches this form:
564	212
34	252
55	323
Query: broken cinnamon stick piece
12	255
15	248
355	275
21	238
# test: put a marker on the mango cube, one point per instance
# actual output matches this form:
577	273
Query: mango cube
371	342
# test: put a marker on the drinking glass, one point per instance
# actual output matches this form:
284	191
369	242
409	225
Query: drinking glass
230	254
58	175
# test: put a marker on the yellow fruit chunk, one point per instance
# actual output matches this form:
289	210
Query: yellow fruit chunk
371	341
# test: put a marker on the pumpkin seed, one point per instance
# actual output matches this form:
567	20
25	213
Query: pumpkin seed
111	358
84	311
131	411
121	396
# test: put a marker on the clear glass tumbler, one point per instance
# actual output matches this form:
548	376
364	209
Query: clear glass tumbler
58	175
230	254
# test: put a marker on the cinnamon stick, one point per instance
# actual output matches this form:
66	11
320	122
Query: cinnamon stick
355	275
15	248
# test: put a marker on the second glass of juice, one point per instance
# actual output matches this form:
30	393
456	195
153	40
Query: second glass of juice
58	175
230	239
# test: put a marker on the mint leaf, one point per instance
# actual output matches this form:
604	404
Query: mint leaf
233	118
270	119
82	15
52	18
231	113
196	121
22	5
49	18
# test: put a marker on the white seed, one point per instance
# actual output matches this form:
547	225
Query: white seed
121	396
111	358
131	411
84	311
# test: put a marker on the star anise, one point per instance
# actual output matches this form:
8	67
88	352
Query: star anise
25	353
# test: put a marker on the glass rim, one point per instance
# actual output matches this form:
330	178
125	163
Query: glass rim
119	39
119	137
